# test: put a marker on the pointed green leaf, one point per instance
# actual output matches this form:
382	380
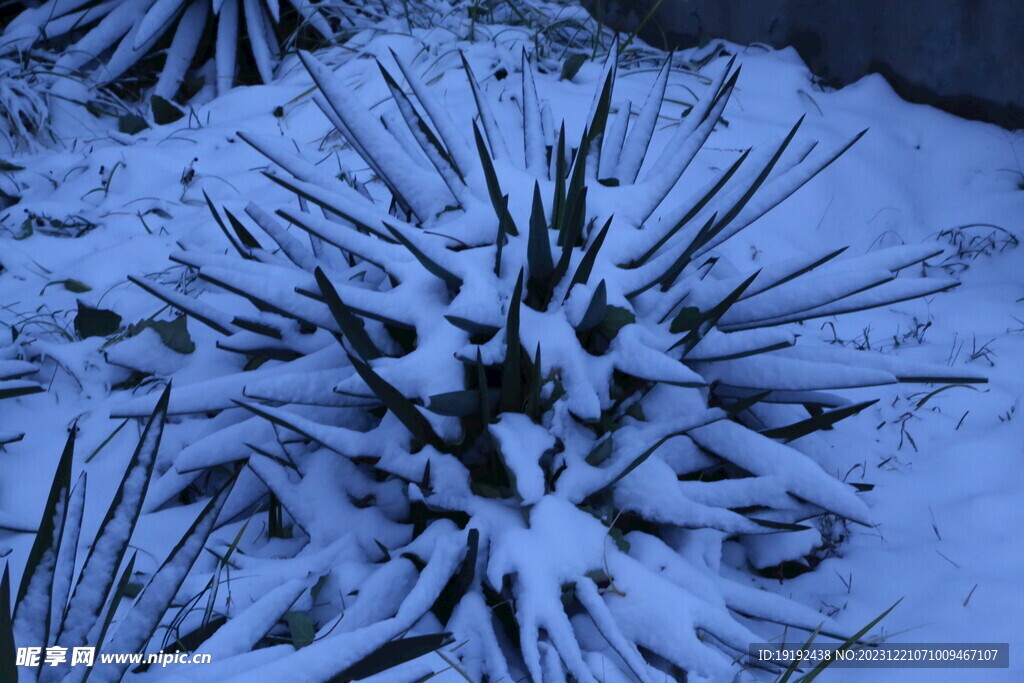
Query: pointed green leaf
573	233
351	326
121	591
734	211
244	236
596	311
390	655
590	257
571	66
454	282
462	403
494	138
604	103
575	192
687	319
493	186
712	316
667	278
504	222
536	380
791	669
472	326
694	210
816	422
779	526
422	132
487	404
558	206
538	250
404	409
224	229
511	374
534	152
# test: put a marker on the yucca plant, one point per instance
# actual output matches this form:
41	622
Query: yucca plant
53	609
520	386
107	38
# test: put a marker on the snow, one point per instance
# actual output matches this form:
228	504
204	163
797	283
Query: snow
945	502
522	444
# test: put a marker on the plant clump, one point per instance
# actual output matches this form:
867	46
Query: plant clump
515	393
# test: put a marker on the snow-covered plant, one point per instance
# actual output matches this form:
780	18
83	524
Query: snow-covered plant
519	395
53	609
201	38
109	37
24	113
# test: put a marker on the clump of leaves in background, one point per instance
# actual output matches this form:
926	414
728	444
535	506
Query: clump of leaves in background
52	609
107	39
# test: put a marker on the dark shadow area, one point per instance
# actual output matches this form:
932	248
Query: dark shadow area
960	56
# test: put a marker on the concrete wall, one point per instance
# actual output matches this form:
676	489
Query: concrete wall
966	56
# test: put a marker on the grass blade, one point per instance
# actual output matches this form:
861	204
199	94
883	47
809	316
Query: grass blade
816	671
390	655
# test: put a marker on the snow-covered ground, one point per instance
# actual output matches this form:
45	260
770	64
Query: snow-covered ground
945	467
